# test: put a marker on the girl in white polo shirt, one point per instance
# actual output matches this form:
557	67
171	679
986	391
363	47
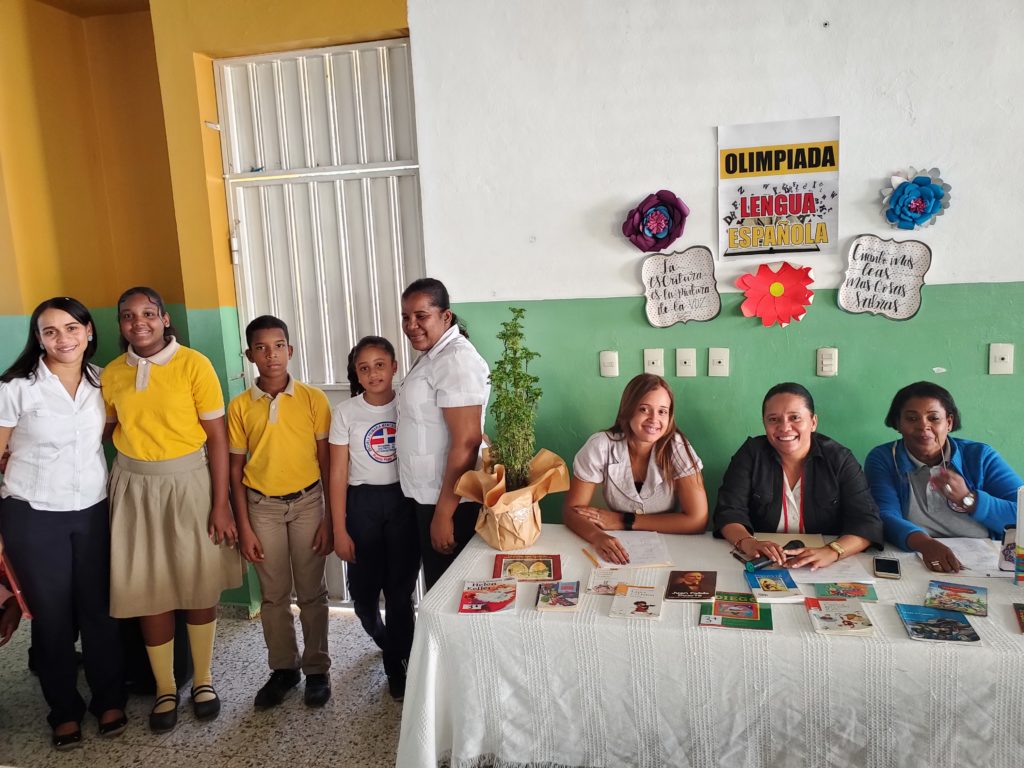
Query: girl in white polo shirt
440	423
374	524
54	517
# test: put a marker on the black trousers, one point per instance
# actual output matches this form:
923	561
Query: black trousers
62	560
435	563
382	524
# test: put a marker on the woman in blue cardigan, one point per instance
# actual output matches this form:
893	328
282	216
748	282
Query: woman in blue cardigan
929	484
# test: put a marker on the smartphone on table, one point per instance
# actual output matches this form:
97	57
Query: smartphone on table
887	567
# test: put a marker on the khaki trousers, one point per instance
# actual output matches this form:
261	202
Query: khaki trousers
286	530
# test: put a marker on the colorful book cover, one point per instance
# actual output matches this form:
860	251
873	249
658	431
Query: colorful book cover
773	585
847	589
558	596
488	596
838	616
636	603
691	585
957	597
528	567
1018	610
603	581
936	625
736	610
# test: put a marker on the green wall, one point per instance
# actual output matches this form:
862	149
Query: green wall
876	357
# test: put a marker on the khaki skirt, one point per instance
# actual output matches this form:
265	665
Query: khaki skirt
161	555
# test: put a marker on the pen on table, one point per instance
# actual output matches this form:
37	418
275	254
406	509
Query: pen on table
590	557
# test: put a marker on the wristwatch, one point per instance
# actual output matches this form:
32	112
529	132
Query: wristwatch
628	518
968	501
837	549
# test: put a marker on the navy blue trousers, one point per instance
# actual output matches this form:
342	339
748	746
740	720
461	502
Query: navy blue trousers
62	560
382	524
434	562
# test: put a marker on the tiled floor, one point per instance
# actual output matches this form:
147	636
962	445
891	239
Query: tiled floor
357	727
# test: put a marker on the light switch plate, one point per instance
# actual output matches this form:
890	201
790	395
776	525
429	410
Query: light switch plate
609	363
1000	359
718	361
686	362
828	361
654	361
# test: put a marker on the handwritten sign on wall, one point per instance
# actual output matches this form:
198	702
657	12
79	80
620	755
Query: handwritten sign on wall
884	277
681	287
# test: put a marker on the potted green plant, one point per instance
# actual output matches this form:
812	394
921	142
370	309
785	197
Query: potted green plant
514	478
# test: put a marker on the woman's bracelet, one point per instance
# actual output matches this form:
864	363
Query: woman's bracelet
736	546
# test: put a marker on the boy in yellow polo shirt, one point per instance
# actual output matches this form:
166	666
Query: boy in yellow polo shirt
278	497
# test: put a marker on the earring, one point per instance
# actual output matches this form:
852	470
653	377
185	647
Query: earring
90	337
42	347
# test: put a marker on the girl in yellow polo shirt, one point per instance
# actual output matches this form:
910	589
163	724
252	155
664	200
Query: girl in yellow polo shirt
169	511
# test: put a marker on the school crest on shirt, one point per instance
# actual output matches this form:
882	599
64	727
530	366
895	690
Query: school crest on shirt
380	442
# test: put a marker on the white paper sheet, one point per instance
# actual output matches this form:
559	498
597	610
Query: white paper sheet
980	557
646	550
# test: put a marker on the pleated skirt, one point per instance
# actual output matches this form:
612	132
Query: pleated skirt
161	555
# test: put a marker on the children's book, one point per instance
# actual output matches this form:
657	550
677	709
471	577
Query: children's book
1018	610
846	589
528	567
691	585
612	581
838	616
558	596
936	625
646	550
636	603
736	610
957	597
773	585
604	580
488	596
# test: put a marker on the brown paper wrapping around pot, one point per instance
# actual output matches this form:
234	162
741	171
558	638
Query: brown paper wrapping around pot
510	520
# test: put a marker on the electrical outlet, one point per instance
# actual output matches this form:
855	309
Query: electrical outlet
1000	359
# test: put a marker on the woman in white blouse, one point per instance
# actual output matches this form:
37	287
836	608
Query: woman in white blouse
648	472
54	517
440	423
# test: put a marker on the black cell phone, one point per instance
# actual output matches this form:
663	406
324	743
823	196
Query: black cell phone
887	567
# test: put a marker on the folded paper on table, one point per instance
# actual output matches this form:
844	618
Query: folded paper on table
510	520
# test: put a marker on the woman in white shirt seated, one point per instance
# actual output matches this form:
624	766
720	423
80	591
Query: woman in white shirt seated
54	517
648	472
440	423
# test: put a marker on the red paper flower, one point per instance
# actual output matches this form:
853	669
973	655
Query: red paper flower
777	297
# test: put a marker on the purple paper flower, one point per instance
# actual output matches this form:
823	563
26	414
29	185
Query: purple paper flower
657	222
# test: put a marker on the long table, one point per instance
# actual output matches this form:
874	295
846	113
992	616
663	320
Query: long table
526	688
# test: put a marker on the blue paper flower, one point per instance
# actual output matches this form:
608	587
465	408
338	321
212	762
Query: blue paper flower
914	200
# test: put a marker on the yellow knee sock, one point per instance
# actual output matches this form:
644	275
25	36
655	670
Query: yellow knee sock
161	660
200	637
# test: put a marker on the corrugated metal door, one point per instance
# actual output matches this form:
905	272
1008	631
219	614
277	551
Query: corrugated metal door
321	172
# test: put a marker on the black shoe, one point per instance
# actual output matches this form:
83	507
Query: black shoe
208	709
396	687
114	727
318	690
161	722
273	692
67	740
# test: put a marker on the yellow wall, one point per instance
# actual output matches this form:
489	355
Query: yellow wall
189	34
133	153
86	205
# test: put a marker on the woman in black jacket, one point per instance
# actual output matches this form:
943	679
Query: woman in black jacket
793	480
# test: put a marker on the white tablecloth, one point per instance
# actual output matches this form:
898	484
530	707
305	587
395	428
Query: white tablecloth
525	688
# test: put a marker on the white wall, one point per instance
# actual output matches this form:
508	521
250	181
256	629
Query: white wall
541	122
